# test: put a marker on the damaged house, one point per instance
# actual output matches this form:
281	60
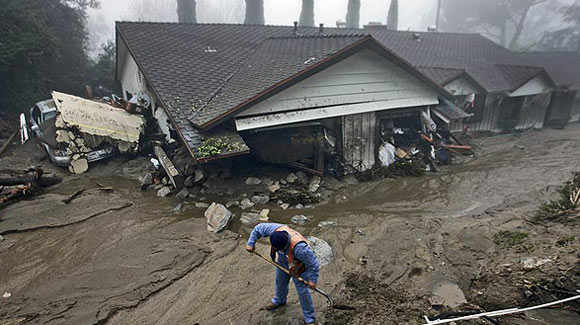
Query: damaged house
285	94
564	69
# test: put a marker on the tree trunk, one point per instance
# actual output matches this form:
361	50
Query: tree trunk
254	12
186	11
307	14
353	14
519	28
503	34
393	18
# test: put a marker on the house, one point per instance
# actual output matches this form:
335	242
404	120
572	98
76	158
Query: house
564	69
283	93
501	89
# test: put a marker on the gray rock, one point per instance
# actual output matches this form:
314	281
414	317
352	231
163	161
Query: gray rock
264	215
299	206
178	208
189	169
146	181
165	181
291	178
253	181
198	176
314	184
274	187
218	217
328	223
283	182
302	176
250	219
285	206
164	191
188	182
246	203
267	181
183	194
201	205
321	249
232	203
300	219
260	199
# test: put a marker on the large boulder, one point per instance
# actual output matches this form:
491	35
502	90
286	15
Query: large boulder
164	191
300	220
250	219
253	181
218	217
321	249
246	204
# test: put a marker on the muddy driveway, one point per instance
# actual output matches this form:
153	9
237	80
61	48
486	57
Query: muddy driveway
400	246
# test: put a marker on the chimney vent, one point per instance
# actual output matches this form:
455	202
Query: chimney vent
295	28
321	29
417	37
432	29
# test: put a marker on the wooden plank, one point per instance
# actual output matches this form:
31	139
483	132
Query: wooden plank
166	163
263	121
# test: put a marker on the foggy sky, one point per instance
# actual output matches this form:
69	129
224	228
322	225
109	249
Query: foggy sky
413	14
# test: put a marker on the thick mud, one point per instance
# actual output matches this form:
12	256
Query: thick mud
403	248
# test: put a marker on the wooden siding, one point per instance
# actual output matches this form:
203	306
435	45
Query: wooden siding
538	85
533	112
358	139
490	116
461	87
365	77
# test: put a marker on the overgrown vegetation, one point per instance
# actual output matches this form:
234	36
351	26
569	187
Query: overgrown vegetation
414	167
508	239
213	147
565	207
43	48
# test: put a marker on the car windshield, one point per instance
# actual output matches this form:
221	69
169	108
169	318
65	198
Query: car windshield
49	115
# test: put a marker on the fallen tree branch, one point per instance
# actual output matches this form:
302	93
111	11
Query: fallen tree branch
73	196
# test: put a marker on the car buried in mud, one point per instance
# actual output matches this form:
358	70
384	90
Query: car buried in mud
42	124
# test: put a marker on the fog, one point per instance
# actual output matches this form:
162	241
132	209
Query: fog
413	14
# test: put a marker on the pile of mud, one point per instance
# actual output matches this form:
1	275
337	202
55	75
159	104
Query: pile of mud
373	300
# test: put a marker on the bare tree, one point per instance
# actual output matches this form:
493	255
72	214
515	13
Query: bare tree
186	11
254	12
393	17
353	14
307	13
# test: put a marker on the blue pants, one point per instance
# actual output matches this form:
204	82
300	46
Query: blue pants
282	280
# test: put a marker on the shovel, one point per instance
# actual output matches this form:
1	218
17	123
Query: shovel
285	270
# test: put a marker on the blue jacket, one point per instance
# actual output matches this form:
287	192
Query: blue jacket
302	251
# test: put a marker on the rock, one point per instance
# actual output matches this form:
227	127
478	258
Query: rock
300	219
178	208
189	169
198	176
260	199
165	181
78	166
267	181
253	181
285	206
299	206
314	184
2	238
321	249
302	177
188	182
232	203
264	215
250	219
324	224
7	295
164	191
283	182
274	187
201	205
218	217
530	263
291	178
183	194
146	181
246	203
360	232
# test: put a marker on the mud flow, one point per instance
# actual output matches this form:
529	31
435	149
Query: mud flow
463	240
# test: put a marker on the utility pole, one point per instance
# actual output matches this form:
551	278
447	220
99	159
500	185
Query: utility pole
438	14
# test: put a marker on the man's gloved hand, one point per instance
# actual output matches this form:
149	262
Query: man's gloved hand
273	255
250	249
311	285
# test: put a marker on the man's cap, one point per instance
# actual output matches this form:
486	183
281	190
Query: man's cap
279	240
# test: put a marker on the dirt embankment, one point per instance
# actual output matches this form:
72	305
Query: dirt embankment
460	240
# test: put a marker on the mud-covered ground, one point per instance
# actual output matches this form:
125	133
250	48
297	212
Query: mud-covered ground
402	248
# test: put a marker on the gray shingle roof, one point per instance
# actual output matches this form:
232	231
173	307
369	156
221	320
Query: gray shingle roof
563	67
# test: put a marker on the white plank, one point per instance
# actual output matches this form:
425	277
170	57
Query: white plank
250	123
538	85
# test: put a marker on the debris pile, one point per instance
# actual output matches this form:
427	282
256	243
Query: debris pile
566	207
16	185
88	130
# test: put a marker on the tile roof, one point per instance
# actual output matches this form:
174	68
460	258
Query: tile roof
451	111
563	67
